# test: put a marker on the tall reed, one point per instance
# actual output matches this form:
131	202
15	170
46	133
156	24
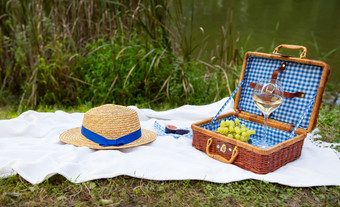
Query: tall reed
127	52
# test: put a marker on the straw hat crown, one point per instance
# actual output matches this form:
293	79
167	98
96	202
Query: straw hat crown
111	121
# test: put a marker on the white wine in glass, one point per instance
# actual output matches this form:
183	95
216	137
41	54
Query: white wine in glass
268	96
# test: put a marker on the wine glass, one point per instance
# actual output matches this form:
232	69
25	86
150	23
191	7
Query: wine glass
268	96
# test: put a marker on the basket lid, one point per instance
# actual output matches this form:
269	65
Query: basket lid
304	77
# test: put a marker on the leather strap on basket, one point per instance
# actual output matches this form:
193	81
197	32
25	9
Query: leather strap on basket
285	94
219	157
273	81
276	72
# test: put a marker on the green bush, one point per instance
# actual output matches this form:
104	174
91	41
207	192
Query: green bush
122	71
129	72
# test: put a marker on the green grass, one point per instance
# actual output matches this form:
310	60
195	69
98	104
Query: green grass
329	123
128	191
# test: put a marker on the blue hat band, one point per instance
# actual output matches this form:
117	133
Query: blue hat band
102	141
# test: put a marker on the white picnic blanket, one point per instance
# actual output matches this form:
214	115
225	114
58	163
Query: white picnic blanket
30	147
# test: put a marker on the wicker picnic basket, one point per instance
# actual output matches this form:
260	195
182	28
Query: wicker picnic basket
303	81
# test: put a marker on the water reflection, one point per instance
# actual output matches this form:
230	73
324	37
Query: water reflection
298	21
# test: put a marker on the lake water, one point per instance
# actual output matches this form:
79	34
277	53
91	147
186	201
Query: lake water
298	21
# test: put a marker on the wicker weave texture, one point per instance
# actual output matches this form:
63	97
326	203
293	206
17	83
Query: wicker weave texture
248	159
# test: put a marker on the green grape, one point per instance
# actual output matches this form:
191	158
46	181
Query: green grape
243	139
222	123
231	128
235	130
237	122
252	131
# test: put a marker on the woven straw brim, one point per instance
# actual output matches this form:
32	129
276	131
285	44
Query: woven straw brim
74	136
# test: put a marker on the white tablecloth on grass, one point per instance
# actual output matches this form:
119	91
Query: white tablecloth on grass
30	147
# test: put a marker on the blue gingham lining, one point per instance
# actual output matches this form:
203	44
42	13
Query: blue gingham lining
274	136
297	77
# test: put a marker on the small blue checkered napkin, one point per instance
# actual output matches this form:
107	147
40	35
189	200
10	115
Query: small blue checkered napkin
160	130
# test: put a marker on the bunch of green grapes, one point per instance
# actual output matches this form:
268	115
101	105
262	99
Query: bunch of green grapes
234	130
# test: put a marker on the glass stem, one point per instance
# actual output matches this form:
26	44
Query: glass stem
265	126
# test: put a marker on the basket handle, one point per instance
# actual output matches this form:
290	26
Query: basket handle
292	47
219	157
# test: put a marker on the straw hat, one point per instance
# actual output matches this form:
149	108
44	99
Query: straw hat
109	127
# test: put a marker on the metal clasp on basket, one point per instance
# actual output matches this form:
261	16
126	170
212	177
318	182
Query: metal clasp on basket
223	148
